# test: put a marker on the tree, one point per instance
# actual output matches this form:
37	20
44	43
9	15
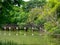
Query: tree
6	6
33	4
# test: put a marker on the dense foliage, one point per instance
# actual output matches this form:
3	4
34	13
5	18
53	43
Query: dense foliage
42	12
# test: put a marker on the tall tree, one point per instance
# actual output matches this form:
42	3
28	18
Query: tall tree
33	4
6	6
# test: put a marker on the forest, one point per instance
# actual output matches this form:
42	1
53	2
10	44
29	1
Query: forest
42	16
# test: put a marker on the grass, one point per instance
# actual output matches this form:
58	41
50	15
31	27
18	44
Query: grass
27	39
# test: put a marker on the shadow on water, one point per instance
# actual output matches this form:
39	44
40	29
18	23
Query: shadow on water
11	43
8	43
